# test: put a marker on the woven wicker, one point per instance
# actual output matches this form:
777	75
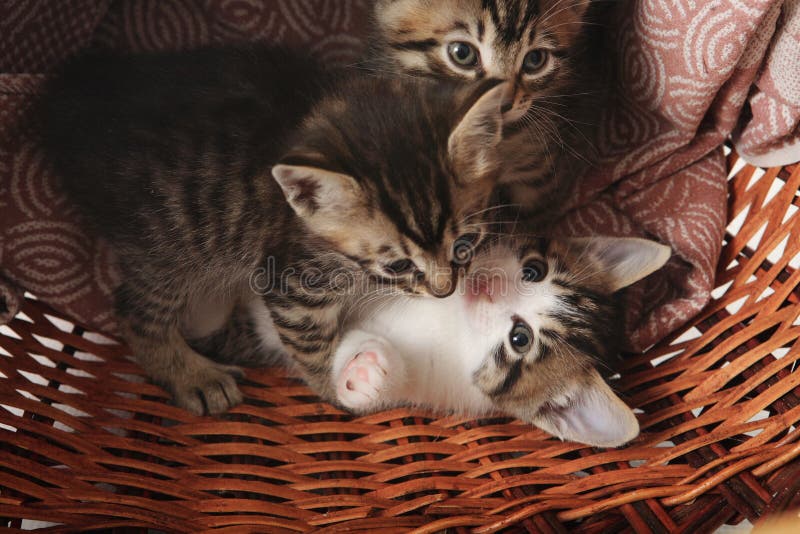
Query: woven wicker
85	442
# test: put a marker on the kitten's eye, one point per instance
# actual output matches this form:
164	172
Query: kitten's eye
463	54
464	248
534	271
534	61
520	337
400	266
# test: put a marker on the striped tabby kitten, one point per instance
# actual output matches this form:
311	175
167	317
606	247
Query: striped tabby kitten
187	165
522	336
539	46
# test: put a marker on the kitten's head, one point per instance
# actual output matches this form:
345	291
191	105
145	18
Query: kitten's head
529	43
396	175
551	317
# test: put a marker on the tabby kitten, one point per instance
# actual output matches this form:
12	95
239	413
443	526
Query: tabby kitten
199	169
539	47
524	335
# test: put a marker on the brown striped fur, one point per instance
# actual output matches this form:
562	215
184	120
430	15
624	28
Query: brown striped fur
551	113
172	159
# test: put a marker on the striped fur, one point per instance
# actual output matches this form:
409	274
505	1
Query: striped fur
172	157
551	113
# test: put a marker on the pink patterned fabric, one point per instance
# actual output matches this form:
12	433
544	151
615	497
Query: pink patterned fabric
770	138
687	69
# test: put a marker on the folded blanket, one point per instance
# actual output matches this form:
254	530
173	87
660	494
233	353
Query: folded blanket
690	74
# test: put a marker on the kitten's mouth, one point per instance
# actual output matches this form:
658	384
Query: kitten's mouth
479	288
513	116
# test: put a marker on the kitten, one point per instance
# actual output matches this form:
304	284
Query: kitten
200	169
522	336
539	46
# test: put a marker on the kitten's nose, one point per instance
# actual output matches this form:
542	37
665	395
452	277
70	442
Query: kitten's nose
441	284
507	98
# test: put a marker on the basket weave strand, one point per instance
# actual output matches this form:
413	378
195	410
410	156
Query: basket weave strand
86	442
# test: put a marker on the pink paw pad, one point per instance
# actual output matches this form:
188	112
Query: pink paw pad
362	380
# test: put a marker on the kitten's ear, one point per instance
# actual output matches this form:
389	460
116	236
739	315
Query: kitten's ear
313	190
624	259
591	413
473	142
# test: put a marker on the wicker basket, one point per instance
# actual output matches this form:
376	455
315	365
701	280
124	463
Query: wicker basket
85	442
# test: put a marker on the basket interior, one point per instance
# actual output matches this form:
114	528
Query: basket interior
86	441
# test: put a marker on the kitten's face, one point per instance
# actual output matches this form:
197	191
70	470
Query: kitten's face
550	314
397	174
525	42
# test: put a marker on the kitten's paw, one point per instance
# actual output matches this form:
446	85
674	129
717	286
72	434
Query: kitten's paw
362	380
365	380
209	389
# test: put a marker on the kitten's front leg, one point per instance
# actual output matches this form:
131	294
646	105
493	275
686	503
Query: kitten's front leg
368	375
148	321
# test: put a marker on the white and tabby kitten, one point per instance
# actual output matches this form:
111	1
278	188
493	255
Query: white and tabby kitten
524	336
540	46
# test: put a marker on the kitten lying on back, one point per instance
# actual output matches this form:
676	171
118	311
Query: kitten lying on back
199	169
523	335
540	48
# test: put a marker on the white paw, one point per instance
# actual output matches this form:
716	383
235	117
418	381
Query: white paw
364	379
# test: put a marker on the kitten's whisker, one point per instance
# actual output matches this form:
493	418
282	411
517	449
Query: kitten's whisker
567	95
550	13
596	270
544	17
578	275
552	128
366	299
489	223
566	120
541	138
486	210
576	23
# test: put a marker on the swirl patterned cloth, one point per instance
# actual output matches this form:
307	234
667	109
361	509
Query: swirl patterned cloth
689	76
